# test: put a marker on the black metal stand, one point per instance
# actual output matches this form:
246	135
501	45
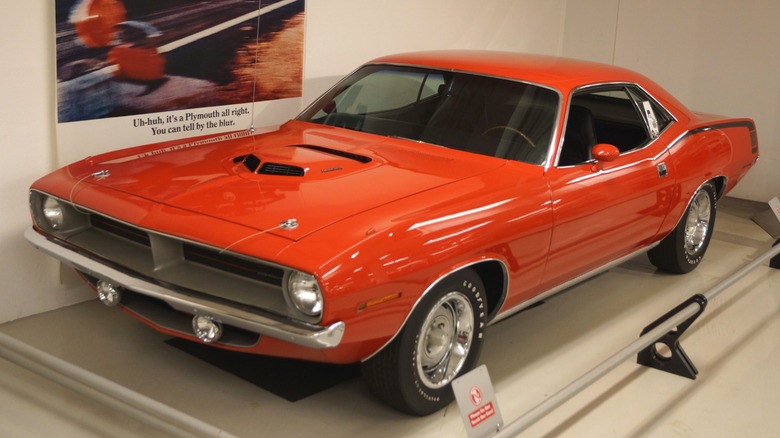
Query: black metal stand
675	361
774	262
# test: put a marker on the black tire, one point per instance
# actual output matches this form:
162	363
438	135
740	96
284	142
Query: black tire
682	250
402	374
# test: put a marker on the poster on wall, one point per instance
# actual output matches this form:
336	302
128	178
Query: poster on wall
132	72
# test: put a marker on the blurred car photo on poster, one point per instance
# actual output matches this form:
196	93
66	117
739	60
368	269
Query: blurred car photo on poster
422	198
130	57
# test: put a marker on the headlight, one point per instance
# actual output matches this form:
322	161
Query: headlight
304	293
56	216
52	213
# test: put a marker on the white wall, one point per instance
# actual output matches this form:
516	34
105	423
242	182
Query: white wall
341	34
716	56
29	282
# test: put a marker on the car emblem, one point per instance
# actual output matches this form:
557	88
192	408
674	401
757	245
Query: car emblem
101	174
289	224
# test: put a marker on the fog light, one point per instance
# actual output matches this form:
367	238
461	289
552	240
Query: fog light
206	329
108	293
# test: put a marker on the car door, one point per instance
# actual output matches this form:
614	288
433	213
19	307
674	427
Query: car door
605	210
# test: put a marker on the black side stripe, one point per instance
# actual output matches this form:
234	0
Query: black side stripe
744	123
741	124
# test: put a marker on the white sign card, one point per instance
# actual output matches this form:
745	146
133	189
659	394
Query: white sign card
477	402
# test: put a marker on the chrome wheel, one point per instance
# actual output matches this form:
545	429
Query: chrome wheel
440	340
445	340
683	249
697	223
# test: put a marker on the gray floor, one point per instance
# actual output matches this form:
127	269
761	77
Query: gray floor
531	356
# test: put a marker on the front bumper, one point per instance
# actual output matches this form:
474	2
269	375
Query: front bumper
243	317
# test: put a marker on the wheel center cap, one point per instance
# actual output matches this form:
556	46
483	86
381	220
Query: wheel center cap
439	337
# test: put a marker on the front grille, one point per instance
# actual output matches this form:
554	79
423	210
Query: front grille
236	265
120	229
181	264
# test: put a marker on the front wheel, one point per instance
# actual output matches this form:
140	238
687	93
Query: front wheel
440	341
682	250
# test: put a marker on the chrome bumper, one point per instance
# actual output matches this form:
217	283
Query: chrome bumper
303	334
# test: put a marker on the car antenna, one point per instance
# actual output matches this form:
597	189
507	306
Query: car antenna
254	71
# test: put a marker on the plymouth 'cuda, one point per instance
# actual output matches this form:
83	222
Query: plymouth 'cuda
421	199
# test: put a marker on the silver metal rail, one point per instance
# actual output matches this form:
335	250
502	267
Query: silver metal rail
648	339
144	409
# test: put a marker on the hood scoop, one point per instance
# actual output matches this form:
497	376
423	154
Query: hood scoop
257	166
339	153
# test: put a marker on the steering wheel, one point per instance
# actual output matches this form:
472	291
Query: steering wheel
514	130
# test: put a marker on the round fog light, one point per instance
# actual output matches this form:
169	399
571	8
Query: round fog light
108	293
206	329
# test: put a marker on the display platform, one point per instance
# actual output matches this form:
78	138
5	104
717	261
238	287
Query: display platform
529	356
292	380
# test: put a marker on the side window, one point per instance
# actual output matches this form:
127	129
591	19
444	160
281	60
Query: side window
623	116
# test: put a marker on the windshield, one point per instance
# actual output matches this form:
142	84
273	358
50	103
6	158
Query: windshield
489	116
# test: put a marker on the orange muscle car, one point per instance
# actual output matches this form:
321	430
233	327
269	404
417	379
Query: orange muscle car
422	198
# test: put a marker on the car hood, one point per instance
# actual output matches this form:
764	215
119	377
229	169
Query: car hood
306	176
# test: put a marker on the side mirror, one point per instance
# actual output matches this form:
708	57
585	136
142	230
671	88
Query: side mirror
604	153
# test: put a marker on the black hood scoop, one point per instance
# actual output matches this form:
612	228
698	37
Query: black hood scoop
339	153
257	166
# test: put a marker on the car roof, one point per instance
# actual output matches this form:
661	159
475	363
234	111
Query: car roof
561	73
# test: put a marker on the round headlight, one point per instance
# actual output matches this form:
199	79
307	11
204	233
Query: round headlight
53	213
304	293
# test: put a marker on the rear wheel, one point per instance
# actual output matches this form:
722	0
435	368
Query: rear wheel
440	341
682	250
